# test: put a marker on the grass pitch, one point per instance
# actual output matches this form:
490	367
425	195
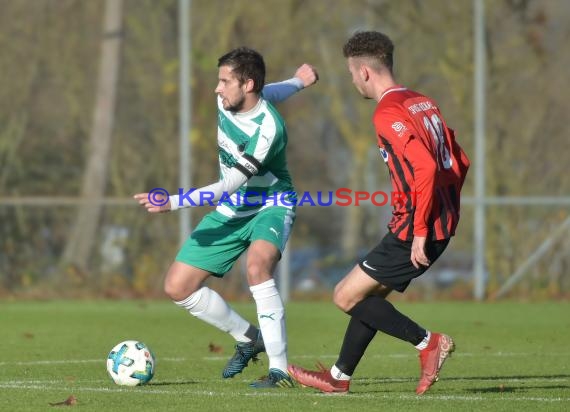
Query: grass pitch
510	356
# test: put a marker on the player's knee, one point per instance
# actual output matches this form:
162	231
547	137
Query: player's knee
257	273
176	290
172	291
342	300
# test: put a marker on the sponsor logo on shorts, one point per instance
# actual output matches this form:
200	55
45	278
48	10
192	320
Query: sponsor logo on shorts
366	265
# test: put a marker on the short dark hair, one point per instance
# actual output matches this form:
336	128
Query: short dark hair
246	64
372	44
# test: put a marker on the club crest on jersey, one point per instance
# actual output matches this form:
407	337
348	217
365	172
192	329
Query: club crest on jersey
399	128
384	154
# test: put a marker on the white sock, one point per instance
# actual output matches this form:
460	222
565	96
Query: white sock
424	343
210	307
338	374
271	316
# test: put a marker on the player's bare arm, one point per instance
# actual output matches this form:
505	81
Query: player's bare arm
425	170
418	256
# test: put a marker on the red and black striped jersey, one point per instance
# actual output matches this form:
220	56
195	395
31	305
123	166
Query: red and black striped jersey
427	167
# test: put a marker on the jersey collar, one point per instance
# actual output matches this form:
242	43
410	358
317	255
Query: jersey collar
397	88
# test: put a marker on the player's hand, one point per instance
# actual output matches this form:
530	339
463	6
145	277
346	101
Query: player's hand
418	256
307	74
153	202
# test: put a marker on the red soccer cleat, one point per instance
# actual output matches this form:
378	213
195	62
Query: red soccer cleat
321	379
432	358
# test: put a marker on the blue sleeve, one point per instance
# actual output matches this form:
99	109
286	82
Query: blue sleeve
278	92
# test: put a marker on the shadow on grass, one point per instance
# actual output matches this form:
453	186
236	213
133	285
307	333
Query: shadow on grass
512	389
507	377
503	383
398	379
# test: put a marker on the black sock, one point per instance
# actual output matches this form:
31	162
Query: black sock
356	339
252	333
380	314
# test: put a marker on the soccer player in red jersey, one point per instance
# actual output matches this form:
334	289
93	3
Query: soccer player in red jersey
427	165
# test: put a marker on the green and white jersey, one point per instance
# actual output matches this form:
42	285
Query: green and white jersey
255	143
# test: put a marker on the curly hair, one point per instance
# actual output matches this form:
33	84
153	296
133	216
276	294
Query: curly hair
371	44
246	64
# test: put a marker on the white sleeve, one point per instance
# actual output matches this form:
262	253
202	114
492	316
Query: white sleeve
278	92
210	194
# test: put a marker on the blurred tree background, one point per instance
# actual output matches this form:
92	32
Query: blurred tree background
89	109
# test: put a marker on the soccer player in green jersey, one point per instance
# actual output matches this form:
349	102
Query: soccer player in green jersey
255	211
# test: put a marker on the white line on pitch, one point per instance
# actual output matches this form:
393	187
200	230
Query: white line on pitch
152	391
378	380
326	356
72	361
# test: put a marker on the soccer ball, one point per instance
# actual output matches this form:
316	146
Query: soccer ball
131	363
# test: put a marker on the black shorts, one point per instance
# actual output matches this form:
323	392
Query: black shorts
389	262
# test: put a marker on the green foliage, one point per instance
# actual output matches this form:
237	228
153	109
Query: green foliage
49	63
